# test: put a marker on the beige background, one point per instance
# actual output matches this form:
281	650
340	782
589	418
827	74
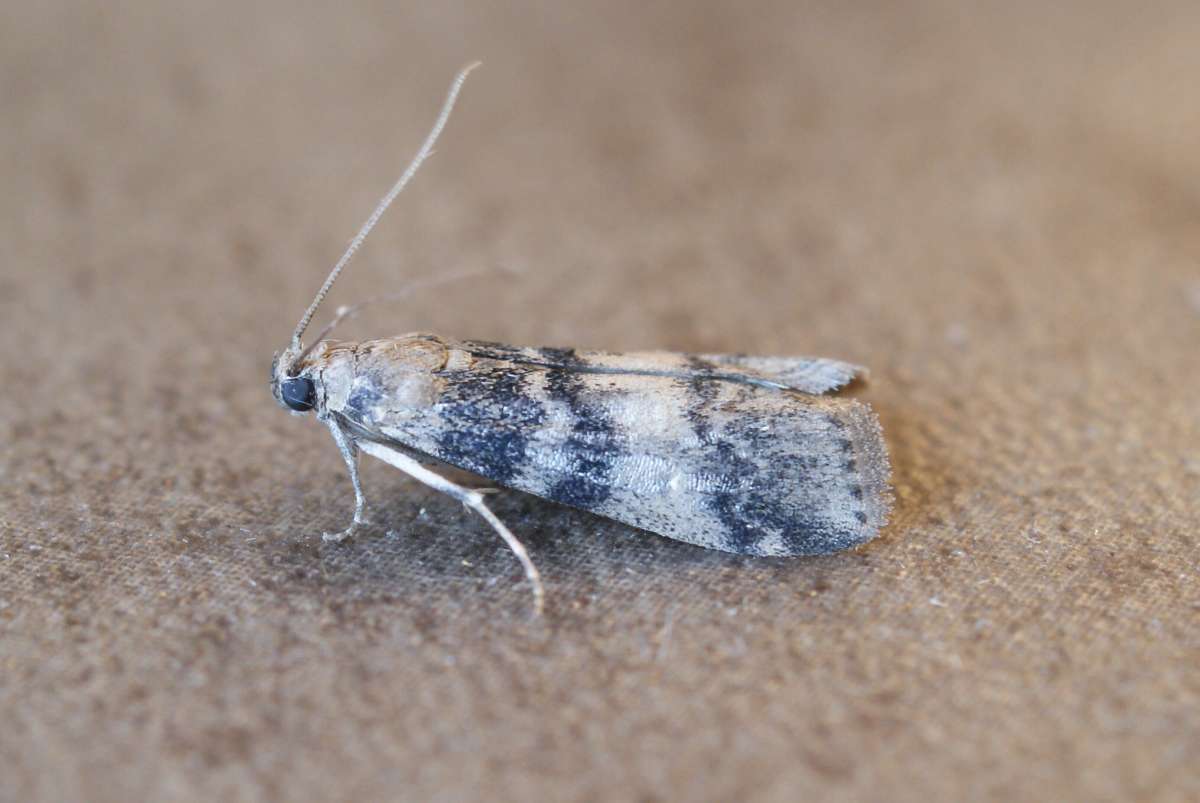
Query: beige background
996	208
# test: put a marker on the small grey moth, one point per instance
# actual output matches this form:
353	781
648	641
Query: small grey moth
753	455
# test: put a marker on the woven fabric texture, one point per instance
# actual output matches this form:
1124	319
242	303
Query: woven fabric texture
993	206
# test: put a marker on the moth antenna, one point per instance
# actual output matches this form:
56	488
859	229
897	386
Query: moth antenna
423	154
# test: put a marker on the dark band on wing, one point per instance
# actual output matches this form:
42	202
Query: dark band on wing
759	507
593	447
495	415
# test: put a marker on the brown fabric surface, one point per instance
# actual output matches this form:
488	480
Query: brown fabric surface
995	208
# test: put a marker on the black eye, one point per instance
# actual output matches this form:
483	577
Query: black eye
299	394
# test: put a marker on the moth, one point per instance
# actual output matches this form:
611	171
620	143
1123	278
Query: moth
753	455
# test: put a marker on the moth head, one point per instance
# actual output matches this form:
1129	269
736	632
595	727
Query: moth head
290	384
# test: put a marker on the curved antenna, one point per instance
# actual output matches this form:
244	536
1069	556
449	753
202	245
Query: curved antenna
409	172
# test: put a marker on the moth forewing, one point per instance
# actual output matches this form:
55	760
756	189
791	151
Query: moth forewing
720	463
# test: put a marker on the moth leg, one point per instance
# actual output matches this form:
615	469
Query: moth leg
350	455
471	498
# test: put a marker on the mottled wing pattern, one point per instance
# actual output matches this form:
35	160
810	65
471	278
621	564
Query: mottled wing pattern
806	374
729	465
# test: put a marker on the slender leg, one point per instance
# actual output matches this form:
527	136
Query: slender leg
471	498
350	455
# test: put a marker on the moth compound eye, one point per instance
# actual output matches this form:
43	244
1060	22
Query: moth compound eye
299	394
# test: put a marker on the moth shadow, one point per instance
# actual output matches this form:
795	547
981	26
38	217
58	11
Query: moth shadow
424	550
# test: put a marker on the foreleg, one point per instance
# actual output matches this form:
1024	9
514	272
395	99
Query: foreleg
350	454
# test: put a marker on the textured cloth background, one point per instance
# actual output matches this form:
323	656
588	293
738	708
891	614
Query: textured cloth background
994	207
